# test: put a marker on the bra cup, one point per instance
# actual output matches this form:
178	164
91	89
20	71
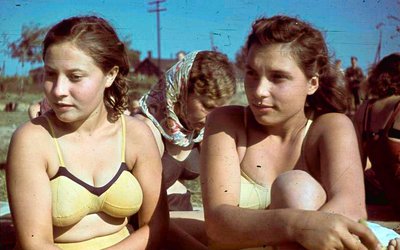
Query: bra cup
70	203
253	195
124	198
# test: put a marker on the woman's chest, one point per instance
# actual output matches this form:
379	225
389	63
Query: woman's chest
263	162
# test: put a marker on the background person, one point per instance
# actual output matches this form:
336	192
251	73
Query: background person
175	109
378	127
94	167
38	108
354	77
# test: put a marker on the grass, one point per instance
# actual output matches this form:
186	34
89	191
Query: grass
9	121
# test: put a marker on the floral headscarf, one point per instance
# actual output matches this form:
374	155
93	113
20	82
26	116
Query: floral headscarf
158	104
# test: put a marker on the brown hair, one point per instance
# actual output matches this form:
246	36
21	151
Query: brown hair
96	37
212	75
384	79
309	49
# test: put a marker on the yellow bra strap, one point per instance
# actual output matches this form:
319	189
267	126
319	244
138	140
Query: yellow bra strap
308	125
123	137
60	159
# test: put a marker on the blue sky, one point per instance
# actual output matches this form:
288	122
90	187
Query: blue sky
349	25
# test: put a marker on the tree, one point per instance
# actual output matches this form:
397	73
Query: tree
240	59
28	47
133	55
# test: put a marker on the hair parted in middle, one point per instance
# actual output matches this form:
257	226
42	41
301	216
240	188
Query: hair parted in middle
98	39
309	50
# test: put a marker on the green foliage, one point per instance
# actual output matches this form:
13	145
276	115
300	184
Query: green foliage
240	59
3	189
133	55
28	48
139	85
9	121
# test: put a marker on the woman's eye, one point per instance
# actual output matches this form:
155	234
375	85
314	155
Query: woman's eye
251	73
49	74
75	78
278	78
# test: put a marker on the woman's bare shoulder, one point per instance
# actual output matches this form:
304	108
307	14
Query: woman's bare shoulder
30	142
137	127
332	120
36	128
331	124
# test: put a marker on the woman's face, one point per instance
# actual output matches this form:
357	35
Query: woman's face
74	85
276	87
198	108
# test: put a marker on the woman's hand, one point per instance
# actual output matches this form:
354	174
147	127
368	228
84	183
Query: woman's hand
319	230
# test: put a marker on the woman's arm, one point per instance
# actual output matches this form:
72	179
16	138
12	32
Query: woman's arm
229	226
143	153
340	165
154	130
28	188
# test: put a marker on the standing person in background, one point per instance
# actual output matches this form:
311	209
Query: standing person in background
340	71
265	167
354	77
377	123
95	167
175	109
338	66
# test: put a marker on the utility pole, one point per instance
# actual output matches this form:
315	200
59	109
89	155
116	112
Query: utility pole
378	49
213	46
157	9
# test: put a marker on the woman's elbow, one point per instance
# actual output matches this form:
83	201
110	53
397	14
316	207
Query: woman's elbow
34	244
216	230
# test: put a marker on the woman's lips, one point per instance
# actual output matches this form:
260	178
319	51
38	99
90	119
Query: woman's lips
62	106
263	107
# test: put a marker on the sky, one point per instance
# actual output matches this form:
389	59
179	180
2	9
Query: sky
350	26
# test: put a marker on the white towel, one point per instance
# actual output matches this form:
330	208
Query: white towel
383	234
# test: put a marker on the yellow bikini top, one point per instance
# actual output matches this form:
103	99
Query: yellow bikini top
252	194
73	199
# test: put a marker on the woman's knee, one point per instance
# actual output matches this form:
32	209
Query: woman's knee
297	189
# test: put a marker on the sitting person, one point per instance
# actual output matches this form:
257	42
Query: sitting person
94	167
38	108
285	170
175	109
377	122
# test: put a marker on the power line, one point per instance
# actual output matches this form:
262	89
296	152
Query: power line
157	9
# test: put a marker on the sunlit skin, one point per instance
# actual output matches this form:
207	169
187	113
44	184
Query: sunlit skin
90	145
276	87
198	108
73	84
315	168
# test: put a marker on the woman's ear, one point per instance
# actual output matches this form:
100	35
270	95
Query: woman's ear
111	75
313	85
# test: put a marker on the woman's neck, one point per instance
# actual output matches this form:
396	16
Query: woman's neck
287	130
96	120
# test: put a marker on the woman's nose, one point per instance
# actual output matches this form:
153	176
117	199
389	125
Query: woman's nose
60	87
263	88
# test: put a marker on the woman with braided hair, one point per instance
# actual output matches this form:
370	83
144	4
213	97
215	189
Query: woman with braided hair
95	167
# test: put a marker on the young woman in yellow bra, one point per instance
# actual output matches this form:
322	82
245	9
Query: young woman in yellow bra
77	173
266	165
